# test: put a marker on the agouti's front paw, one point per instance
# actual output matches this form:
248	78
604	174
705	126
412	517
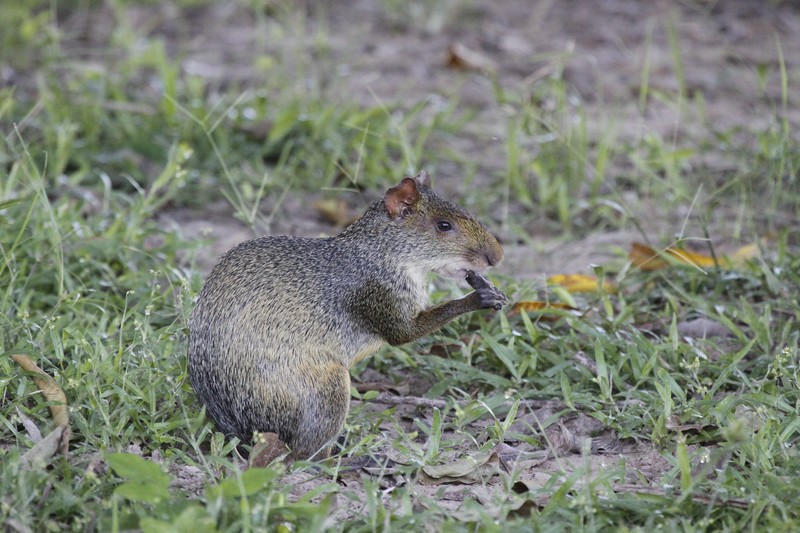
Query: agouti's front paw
489	296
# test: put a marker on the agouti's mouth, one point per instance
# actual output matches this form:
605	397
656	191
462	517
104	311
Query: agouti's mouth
455	272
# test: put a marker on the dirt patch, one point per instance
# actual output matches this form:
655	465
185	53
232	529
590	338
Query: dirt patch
721	59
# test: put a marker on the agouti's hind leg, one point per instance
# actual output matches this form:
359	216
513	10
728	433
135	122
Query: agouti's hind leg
323	409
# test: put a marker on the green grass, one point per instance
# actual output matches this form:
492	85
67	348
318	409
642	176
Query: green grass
97	293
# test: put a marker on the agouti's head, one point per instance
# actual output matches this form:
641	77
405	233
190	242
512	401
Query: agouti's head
447	238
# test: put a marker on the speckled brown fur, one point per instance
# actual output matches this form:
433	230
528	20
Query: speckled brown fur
280	320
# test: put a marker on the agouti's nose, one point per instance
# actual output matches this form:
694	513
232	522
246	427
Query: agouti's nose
494	256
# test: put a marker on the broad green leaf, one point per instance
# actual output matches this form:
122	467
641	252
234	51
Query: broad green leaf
143	491
193	519
135	468
250	482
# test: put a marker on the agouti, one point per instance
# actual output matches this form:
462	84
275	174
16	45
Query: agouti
280	320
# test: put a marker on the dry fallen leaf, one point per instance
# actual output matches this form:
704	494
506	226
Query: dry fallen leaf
539	306
53	394
647	258
580	283
267	448
42	451
469	469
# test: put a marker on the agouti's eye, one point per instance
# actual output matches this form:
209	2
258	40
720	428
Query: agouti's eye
443	226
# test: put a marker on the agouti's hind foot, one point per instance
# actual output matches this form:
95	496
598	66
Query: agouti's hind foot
266	448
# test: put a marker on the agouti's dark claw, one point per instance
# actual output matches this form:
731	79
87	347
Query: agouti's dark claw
476	281
489	296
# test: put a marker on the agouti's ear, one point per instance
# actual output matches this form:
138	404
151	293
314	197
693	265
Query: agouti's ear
401	199
423	179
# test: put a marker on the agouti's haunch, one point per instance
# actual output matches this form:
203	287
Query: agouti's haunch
280	320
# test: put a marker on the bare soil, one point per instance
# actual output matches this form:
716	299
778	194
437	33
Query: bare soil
722	58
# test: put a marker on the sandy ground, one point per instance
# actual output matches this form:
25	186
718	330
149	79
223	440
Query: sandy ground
726	53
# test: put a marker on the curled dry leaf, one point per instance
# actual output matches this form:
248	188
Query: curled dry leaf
581	283
52	393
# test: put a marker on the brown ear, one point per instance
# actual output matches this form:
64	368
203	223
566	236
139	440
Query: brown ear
423	179
401	199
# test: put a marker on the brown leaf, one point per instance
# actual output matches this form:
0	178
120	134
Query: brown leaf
646	258
267	448
52	393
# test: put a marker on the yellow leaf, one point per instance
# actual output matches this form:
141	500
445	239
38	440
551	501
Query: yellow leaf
580	283
748	251
539	306
646	258
695	259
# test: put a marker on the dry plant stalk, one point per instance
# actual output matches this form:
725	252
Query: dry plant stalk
52	393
